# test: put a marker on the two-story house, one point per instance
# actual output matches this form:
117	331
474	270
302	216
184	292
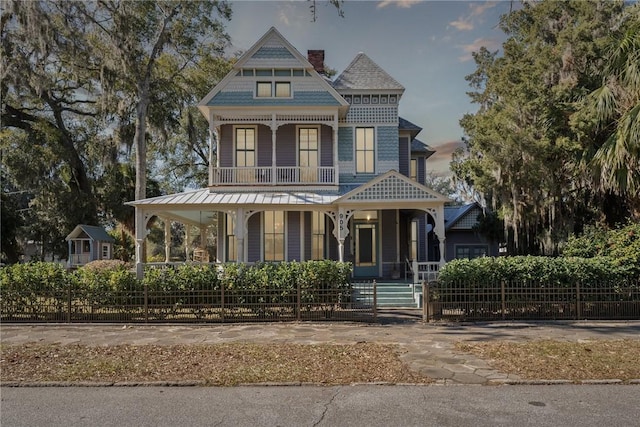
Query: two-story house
306	168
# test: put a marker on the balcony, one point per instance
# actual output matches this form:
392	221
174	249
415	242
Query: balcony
274	176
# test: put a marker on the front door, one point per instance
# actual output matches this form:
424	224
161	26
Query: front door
366	249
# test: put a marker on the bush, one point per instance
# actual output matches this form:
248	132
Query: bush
108	283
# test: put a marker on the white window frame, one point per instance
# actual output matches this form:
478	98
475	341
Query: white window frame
373	150
264	234
104	255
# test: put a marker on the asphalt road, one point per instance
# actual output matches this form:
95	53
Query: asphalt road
365	405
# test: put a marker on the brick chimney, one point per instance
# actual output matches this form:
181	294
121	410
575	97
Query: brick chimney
316	58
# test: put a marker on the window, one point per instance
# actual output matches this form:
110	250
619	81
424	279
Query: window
263	89
308	154
317	235
364	150
231	239
413	169
105	251
471	251
283	89
273	235
413	248
271	89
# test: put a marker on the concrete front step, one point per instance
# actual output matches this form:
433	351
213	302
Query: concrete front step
389	295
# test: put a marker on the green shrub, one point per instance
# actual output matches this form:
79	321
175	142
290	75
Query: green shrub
108	283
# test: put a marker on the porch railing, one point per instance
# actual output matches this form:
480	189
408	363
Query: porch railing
79	259
274	175
423	271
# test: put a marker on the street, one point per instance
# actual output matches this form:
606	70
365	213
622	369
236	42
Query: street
360	405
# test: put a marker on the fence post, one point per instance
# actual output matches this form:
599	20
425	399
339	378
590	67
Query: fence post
375	301
578	303
503	304
425	301
146	303
222	302
298	298
69	302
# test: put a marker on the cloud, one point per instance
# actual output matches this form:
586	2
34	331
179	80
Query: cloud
439	162
468	49
465	23
404	4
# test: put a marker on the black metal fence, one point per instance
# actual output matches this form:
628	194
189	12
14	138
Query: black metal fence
530	301
206	304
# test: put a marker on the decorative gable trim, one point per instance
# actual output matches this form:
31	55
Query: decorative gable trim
391	186
270	44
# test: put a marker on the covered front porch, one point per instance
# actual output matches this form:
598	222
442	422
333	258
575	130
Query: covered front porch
373	226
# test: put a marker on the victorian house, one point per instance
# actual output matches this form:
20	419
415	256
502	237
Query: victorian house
305	168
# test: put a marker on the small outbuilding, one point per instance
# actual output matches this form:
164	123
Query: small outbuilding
89	243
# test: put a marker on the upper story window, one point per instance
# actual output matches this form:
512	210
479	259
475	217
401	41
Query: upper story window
413	169
273	89
365	150
245	147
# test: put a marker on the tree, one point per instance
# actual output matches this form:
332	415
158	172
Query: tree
523	153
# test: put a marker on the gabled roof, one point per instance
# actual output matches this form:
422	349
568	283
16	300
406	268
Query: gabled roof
92	231
453	214
364	74
392	183
272	36
418	146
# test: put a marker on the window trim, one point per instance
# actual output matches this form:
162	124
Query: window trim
264	234
356	151
413	167
322	219
235	144
264	83
230	256
470	246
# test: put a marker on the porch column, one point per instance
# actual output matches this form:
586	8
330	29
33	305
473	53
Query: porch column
211	141
187	237
140	235
335	149
203	236
274	129
240	231
167	240
70	260
341	229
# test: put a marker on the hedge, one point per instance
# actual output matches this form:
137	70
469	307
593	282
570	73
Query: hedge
24	287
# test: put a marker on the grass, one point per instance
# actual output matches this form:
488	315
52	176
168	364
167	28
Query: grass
547	359
221	364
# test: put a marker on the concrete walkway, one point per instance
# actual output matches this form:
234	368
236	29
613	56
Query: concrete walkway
427	348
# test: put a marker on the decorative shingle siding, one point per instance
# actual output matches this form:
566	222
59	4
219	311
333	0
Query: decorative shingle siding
293	236
245	98
387	143
468	221
372	115
278	52
298	84
345	144
350	178
386	166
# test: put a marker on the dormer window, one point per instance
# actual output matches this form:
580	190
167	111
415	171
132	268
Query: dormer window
263	90
283	90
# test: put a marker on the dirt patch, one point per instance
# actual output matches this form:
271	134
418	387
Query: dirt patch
615	359
223	364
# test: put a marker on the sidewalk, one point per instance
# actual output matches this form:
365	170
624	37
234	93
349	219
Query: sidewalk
427	348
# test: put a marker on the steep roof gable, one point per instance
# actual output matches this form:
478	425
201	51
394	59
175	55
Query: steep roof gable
363	73
92	231
272	46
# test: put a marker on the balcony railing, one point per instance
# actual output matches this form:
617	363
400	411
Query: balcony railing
274	175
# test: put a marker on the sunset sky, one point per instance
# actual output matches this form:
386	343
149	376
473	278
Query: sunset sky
424	45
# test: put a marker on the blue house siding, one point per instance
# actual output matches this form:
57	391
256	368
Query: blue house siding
246	98
307	235
293	236
272	53
387	143
345	144
403	153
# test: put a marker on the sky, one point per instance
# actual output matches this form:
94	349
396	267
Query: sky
424	45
